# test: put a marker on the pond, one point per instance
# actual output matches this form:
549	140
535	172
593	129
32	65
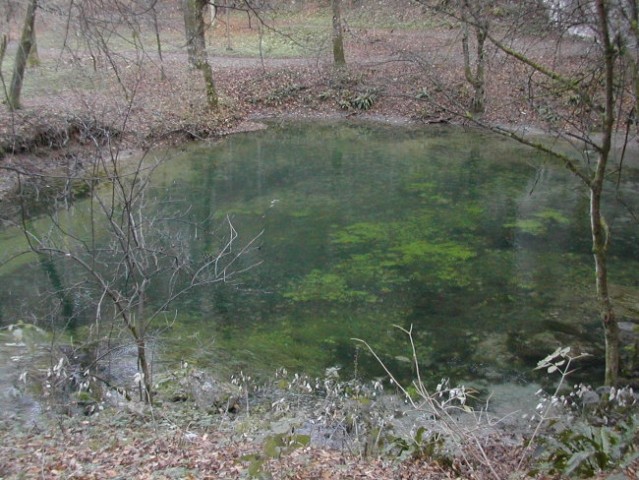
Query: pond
479	244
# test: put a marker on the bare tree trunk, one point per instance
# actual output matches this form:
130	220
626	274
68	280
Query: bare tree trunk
476	78
227	11
146	383
610	82
633	53
194	27
211	27
34	56
141	343
24	48
338	34
608	317
3	50
158	41
598	224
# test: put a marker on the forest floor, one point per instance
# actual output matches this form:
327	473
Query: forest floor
73	106
398	76
166	444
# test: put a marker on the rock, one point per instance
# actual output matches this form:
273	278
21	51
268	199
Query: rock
603	391
211	394
590	398
532	347
492	350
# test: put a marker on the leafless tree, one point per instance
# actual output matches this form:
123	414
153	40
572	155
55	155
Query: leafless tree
468	16
127	250
338	34
597	108
132	249
27	41
583	105
472	18
194	27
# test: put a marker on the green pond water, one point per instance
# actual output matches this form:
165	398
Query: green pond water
478	243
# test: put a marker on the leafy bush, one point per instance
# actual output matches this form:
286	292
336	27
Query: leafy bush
584	450
588	432
423	445
357	101
281	94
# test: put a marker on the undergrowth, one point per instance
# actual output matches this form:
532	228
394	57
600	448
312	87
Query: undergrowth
574	432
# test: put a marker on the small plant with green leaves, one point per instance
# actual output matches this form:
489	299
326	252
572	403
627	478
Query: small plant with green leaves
587	432
584	450
423	445
357	101
343	411
423	94
281	94
560	361
440	413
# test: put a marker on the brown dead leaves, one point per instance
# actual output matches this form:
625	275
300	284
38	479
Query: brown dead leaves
115	446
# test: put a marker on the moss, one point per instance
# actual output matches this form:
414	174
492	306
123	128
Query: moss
395	255
531	226
330	287
540	222
364	232
84	398
424	251
553	216
376	269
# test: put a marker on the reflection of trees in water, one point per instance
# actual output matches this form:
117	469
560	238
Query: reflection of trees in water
50	270
412	210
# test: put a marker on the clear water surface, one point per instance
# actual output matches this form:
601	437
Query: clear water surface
480	244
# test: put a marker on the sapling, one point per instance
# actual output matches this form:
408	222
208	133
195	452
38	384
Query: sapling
559	361
444	405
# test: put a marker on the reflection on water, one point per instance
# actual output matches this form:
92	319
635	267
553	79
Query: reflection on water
475	241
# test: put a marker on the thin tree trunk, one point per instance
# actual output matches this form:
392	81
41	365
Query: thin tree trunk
194	27
24	48
158	40
608	317
598	225
599	230
34	56
477	78
633	53
339	58
147	383
229	47
143	360
213	14
3	51
137	330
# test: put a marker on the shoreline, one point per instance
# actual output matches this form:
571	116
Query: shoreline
37	163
